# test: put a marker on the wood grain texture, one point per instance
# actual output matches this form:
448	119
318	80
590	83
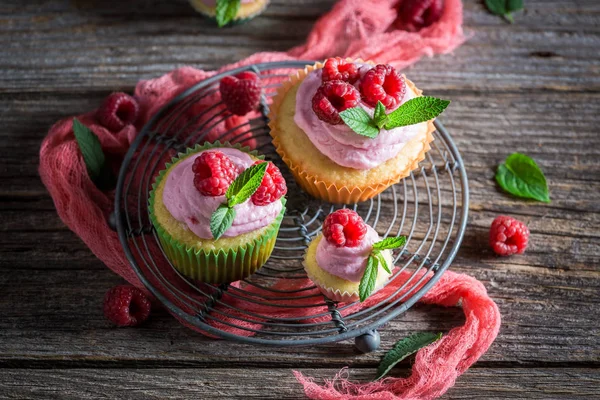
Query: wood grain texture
185	383
533	86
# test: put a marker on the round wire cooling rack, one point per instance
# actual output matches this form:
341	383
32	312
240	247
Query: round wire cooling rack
278	305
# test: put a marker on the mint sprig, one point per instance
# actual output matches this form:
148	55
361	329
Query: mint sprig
504	8
245	184
375	259
521	176
369	278
379	117
226	10
93	156
240	190
390	243
360	122
404	348
221	220
414	111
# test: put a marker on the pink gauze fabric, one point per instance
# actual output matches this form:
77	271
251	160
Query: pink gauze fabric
353	28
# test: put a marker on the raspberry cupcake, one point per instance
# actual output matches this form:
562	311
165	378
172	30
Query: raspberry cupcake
348	261
348	130
233	11
217	209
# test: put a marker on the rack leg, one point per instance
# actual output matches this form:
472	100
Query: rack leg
367	342
112	221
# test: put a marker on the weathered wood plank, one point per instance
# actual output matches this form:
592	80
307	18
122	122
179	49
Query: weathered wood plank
553	46
549	318
258	383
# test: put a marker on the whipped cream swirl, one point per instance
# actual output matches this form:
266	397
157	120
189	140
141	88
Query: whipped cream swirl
187	205
340	143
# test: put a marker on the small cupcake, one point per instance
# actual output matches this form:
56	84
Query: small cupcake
348	130
348	261
230	12
217	209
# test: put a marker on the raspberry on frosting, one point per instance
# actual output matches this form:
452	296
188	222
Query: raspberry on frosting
337	68
508	236
240	93
213	173
344	228
272	187
333	97
383	83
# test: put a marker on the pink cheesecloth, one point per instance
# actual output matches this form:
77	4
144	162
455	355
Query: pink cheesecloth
353	28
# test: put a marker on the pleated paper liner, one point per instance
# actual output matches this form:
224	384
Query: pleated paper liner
215	265
326	282
209	12
331	191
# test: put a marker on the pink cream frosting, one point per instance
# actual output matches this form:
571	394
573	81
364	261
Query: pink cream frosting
193	209
348	263
340	143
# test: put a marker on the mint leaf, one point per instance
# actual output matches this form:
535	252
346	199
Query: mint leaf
246	184
221	220
504	8
382	261
521	176
414	111
390	243
514	5
404	348
379	118
226	10
369	278
360	122
93	156
497	7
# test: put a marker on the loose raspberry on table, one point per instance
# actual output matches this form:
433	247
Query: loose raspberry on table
272	187
333	97
213	173
414	15
126	305
240	93
344	228
339	69
383	83
117	111
508	236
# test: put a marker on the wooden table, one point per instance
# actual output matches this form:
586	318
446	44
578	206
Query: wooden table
532	87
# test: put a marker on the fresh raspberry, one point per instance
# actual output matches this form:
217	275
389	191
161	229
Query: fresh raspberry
213	173
382	83
126	306
338	69
117	111
344	228
508	236
272	187
333	97
240	93
414	15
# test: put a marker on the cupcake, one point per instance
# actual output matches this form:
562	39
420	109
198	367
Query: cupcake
217	209
246	10
348	261
348	130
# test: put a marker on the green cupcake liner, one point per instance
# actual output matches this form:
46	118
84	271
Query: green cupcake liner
222	265
233	22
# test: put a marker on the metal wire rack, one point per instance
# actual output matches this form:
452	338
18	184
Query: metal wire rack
278	305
